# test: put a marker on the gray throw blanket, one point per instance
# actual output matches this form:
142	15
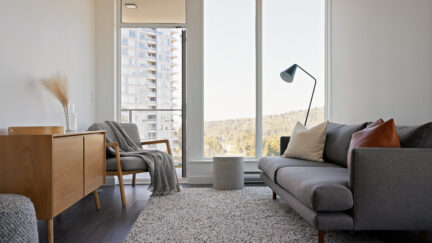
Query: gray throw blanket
160	164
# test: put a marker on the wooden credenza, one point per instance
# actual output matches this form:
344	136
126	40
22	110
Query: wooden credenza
54	171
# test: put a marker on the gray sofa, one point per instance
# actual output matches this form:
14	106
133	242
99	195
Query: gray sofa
384	188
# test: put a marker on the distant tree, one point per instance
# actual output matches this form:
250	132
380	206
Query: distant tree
240	133
271	146
212	146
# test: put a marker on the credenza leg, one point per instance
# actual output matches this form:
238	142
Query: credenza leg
50	230
96	198
133	179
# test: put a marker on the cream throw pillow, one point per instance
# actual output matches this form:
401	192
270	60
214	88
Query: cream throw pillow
307	143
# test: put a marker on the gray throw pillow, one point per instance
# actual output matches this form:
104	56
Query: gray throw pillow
415	136
338	141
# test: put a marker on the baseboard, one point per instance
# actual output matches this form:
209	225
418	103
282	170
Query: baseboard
194	180
110	181
200	180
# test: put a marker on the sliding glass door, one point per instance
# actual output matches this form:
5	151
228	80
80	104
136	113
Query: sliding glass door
152	85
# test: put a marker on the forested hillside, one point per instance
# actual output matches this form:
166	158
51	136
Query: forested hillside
237	136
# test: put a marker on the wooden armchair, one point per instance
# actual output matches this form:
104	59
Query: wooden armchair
120	166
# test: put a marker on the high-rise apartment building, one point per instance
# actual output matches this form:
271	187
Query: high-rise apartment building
150	82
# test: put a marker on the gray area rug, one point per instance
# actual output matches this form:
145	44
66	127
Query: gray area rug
207	215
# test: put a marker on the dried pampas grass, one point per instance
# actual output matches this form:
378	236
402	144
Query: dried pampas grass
58	86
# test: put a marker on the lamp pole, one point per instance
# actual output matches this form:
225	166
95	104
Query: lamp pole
313	91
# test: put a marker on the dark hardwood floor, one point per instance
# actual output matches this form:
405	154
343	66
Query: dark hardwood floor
82	223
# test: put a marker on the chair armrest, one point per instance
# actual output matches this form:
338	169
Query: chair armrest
166	141
284	140
117	154
154	141
392	188
111	144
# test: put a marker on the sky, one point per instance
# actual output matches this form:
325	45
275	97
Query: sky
293	32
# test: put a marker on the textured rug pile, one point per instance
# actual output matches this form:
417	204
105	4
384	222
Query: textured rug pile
207	215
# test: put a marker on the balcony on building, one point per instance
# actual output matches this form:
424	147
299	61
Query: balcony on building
152	85
151	34
151	50
151	42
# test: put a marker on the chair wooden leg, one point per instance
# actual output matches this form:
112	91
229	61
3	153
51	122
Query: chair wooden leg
320	236
96	198
123	199
133	179
50	230
274	196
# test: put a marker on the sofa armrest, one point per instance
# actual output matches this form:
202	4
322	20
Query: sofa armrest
284	140
392	188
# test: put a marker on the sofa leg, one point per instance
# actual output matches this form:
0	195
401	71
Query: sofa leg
423	236
320	236
274	196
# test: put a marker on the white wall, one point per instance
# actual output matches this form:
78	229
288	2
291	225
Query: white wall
38	39
381	54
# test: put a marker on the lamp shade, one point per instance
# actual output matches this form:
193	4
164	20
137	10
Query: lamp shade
288	74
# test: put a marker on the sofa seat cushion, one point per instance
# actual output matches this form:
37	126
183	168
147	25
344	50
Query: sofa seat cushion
271	164
128	163
320	188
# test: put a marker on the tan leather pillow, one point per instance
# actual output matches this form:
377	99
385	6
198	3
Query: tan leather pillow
307	143
376	135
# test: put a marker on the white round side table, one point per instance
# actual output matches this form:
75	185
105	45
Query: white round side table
228	173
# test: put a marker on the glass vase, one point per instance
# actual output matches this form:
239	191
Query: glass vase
71	118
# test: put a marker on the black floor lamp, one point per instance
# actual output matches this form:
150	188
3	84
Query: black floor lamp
288	76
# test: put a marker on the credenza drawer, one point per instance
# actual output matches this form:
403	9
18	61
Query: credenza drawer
68	172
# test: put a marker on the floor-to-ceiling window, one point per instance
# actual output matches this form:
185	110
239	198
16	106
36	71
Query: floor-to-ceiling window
293	32
247	43
229	73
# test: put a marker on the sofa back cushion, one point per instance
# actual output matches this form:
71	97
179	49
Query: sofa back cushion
415	136
338	141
